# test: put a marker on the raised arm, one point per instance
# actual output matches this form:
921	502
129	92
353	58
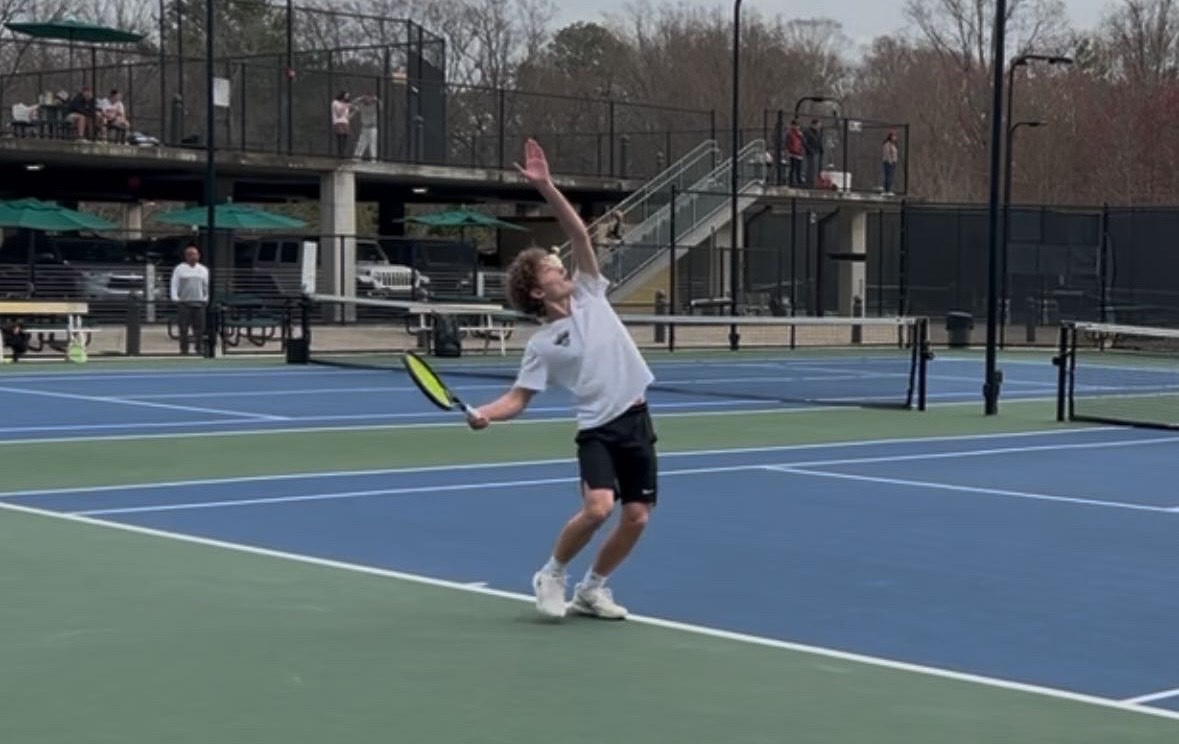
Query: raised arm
536	170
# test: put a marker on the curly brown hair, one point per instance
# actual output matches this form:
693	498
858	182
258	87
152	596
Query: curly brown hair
523	274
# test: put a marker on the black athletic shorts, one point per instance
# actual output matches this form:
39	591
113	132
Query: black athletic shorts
620	455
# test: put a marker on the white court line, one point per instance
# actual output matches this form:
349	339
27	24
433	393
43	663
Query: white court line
459	385
436	420
1152	697
640	619
334	496
566	460
141	403
792	470
798	470
988	452
441	422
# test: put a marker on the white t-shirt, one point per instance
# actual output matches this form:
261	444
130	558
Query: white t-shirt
589	353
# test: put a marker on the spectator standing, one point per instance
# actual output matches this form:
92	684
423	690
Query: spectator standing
342	113
369	108
814	152
190	292
889	157
795	151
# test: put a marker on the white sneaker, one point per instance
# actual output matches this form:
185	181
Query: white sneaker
597	602
550	593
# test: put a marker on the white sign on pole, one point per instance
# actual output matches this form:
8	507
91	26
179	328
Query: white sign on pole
221	92
310	262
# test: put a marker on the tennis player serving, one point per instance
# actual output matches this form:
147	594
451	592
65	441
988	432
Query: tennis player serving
582	346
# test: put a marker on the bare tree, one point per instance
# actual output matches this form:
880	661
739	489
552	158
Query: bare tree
1142	40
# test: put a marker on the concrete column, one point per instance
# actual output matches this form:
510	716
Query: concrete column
853	273
337	209
131	221
723	257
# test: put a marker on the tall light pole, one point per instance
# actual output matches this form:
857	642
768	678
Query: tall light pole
1004	293
210	173
734	264
1022	60
991	379
290	77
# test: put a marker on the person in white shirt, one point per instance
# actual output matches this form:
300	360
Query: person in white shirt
190	292
585	348
113	114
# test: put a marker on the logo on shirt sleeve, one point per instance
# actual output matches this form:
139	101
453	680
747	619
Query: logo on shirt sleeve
562	339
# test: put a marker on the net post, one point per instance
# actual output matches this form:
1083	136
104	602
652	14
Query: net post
1072	371
921	343
1061	361
671	272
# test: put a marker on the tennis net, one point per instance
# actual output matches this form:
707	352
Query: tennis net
867	362
1119	374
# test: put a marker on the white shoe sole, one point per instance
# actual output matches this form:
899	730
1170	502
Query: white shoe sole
587	611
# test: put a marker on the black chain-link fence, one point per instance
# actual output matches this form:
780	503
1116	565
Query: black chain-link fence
1102	264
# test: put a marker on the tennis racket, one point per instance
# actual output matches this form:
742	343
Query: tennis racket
432	385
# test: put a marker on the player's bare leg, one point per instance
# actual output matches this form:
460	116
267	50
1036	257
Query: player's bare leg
591	597
549	582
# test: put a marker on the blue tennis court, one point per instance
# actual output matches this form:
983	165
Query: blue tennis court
990	574
43	404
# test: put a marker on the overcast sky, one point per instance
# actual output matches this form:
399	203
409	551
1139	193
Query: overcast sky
862	19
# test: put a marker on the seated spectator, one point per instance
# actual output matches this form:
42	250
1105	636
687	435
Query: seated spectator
81	112
113	115
14	337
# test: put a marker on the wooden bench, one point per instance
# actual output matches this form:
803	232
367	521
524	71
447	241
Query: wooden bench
44	321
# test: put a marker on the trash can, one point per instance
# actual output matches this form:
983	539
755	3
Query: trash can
298	351
447	336
958	328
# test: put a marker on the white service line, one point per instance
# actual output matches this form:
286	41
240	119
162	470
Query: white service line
564	460
965	489
141	403
1152	697
338	496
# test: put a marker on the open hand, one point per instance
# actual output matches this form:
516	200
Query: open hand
536	166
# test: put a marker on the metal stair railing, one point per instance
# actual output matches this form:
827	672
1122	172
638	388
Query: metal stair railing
655	193
702	203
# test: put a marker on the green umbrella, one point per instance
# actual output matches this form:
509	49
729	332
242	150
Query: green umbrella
34	214
232	217
73	30
462	218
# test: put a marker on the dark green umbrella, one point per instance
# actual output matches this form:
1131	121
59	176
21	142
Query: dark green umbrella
232	217
34	214
462	218
73	30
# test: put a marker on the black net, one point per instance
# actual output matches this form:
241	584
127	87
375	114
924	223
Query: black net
1121	374
869	362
